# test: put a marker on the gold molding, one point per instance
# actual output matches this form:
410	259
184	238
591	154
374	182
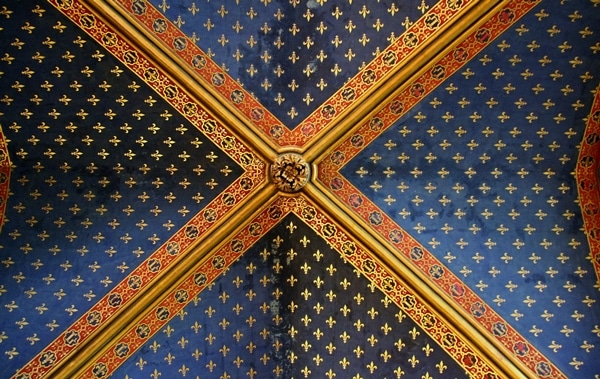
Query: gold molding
185	77
402	76
100	342
417	282
315	150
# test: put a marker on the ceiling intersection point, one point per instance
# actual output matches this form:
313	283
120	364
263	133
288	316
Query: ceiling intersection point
290	172
300	188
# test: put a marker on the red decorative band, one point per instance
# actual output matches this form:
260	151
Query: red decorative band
218	262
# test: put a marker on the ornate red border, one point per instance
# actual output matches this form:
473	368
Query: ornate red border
587	174
218	262
142	277
431	22
328	175
4	176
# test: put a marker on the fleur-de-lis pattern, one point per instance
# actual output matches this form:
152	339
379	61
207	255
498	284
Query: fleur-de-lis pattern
448	226
106	172
280	311
292	67
303	301
479	170
292	55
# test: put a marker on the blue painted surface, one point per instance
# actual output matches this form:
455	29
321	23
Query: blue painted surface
78	221
481	173
267	45
299	326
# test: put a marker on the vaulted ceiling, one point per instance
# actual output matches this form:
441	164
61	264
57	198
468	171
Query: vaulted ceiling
156	222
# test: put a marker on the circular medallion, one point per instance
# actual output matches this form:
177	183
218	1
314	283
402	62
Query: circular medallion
290	172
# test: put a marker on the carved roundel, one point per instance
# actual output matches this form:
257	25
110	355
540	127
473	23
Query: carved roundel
290	172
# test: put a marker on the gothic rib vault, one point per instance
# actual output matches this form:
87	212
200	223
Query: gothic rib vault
162	220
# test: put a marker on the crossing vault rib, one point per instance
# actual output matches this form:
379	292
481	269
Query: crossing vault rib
300	189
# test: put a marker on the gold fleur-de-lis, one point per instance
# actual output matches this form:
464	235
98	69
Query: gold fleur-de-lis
322	83
169	358
413	361
358	298
372	340
364	11
318	308
184	370
337	13
308	15
318	282
291	280
414	333
427	349
359	325
141	363
318	334
291	254
224	323
224	350
378	25
358	351
222	11
211	365
305	268
441	366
